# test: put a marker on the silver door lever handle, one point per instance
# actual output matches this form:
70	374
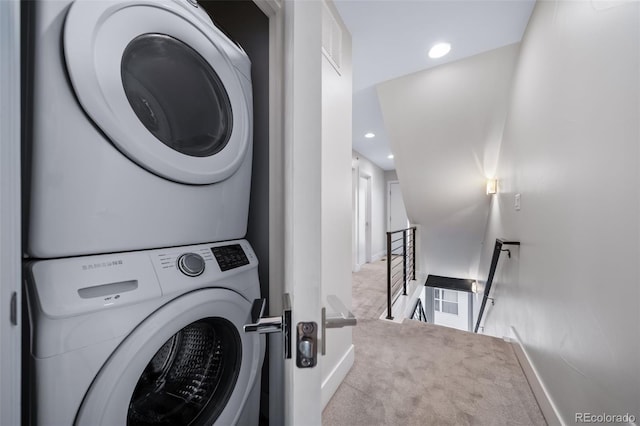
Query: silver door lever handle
260	323
342	317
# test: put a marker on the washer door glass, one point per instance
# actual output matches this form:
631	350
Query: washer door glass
190	378
177	95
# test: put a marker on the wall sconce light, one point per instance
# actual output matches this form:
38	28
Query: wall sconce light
474	287
492	186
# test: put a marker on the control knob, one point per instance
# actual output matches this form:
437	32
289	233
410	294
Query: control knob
191	264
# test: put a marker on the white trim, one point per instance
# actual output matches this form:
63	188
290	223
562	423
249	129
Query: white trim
269	7
540	391
337	375
10	220
273	10
377	256
367	218
354	217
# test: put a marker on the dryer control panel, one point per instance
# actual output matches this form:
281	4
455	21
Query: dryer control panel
230	257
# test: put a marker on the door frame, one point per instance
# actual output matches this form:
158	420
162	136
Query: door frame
10	215
388	219
367	218
354	216
274	11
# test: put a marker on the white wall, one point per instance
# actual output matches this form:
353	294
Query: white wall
445	125
10	223
364	167
390	175
571	148
336	210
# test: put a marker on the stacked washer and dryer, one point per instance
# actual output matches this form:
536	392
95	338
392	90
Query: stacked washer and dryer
140	157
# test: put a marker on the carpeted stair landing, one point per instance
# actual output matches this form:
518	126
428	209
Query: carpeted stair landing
421	374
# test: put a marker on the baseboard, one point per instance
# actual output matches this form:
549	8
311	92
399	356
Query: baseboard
377	256
548	408
337	375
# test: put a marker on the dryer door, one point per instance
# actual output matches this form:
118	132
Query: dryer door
157	77
189	363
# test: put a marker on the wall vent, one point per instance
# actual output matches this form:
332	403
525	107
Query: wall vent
331	38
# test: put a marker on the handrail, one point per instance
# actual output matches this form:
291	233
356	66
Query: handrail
422	316
497	249
408	261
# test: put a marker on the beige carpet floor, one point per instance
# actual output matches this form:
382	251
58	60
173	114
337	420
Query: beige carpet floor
369	291
422	374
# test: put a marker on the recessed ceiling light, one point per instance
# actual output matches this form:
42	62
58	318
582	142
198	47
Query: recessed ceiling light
390	156
369	135
439	50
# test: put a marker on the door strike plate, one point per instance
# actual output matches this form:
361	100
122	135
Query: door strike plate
307	344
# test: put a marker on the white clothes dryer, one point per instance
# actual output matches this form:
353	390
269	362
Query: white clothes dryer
141	132
146	338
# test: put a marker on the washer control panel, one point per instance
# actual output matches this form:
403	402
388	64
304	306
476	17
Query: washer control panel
191	264
230	257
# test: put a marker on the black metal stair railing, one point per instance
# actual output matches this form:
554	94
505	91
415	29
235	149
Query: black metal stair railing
497	250
401	265
418	312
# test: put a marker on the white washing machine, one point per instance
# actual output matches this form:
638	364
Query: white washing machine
141	127
146	338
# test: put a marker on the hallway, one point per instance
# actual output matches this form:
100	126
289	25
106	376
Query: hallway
422	374
369	290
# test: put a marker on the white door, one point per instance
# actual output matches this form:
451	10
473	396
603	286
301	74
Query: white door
303	140
299	25
397	213
363	185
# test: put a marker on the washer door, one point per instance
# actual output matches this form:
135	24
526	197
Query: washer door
158	82
189	363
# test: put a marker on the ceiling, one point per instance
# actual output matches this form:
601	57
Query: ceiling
391	39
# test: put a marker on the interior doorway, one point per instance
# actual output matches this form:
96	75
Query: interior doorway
396	213
362	211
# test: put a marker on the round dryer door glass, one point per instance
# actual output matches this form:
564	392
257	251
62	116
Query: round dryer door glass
176	95
190	378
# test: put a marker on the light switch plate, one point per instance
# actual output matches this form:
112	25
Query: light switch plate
517	202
